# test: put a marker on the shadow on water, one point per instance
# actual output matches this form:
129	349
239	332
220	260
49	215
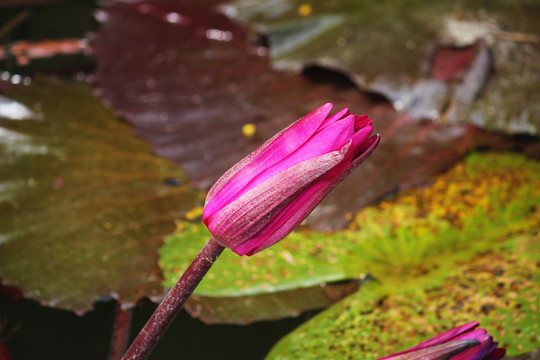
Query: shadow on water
32	331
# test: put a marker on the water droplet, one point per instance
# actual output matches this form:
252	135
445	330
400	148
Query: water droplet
174	18
14	110
219	35
100	16
262	51
16	79
80	76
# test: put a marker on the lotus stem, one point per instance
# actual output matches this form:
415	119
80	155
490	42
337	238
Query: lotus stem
120	332
173	302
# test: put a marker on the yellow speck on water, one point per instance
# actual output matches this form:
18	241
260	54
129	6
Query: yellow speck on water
249	130
305	10
194	213
179	226
287	256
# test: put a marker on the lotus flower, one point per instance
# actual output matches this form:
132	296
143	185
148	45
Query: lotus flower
270	192
462	343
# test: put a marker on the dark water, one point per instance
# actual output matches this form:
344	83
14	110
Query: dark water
31	331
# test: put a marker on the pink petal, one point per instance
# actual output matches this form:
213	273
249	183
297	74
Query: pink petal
271	152
443	351
337	116
360	155
448	335
295	210
361	122
478	334
332	138
497	353
438	339
478	352
360	138
286	220
248	214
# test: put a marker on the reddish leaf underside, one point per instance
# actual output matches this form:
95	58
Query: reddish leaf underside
188	79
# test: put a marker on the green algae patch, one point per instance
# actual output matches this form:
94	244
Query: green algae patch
497	288
477	203
464	249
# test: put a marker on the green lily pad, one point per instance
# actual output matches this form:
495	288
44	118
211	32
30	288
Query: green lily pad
268	306
497	288
468	62
291	277
84	205
464	249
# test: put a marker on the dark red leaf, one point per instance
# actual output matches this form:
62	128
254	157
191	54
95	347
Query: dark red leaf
188	79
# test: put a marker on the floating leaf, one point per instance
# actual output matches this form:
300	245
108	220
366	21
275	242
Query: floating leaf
293	276
493	288
469	62
268	306
84	205
464	249
191	82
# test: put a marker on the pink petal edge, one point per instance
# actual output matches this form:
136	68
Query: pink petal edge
228	185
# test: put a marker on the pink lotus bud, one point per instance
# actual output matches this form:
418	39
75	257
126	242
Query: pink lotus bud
461	343
261	199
